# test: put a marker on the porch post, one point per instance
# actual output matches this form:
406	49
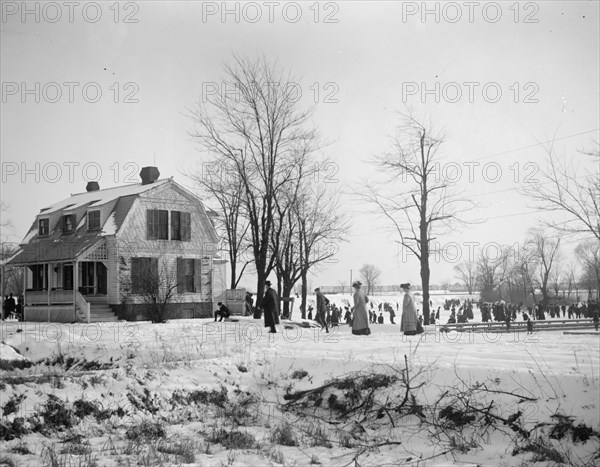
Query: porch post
95	277
75	285
49	282
3	304
24	292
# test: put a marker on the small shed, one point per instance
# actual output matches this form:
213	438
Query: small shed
235	300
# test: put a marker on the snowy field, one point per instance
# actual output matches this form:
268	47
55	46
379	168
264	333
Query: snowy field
195	392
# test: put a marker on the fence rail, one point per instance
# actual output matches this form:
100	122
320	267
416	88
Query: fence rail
519	326
387	289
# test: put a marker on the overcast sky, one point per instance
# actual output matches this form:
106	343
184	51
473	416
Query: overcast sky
497	78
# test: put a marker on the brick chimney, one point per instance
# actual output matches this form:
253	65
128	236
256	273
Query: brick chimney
149	175
92	186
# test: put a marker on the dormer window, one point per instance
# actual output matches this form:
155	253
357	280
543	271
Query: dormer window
43	227
68	223
93	220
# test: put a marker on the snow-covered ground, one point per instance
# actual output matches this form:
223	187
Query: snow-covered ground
150	371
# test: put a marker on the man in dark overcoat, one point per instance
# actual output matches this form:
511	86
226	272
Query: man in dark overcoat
270	306
322	302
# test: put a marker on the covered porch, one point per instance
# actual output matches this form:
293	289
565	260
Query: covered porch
63	290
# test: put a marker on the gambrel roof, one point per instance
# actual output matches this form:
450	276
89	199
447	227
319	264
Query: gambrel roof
56	246
100	197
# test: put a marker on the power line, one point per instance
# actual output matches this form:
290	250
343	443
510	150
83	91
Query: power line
514	215
536	144
513	189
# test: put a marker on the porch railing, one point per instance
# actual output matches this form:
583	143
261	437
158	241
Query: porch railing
43	297
82	305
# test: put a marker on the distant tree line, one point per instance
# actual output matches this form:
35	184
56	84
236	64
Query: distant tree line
516	273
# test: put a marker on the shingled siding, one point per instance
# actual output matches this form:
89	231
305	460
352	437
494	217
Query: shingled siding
137	311
219	281
112	271
132	242
183	305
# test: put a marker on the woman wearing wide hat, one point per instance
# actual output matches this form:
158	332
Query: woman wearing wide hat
360	322
409	321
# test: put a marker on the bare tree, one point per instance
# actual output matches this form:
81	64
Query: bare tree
570	278
218	181
261	133
5	222
157	284
284	242
588	253
465	271
370	274
418	203
555	279
565	188
11	276
11	280
546	252
491	270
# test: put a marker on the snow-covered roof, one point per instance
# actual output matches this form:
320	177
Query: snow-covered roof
100	197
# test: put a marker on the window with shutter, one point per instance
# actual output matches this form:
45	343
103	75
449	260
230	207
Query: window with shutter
136	286
144	275
163	225
180	226
157	223
189	275
94	220
175	225
153	273
43	227
185	275
180	275
198	275
68	223
186	226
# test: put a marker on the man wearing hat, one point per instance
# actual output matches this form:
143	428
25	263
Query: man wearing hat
321	309
270	306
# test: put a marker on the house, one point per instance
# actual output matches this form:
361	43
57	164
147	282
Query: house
88	257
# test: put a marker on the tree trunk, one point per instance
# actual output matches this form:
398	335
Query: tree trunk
304	293
286	292
260	288
545	288
233	273
425	273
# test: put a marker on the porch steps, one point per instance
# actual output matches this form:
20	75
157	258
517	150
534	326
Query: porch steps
101	312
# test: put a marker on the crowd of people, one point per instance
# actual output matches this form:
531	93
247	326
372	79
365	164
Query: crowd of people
501	311
362	312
